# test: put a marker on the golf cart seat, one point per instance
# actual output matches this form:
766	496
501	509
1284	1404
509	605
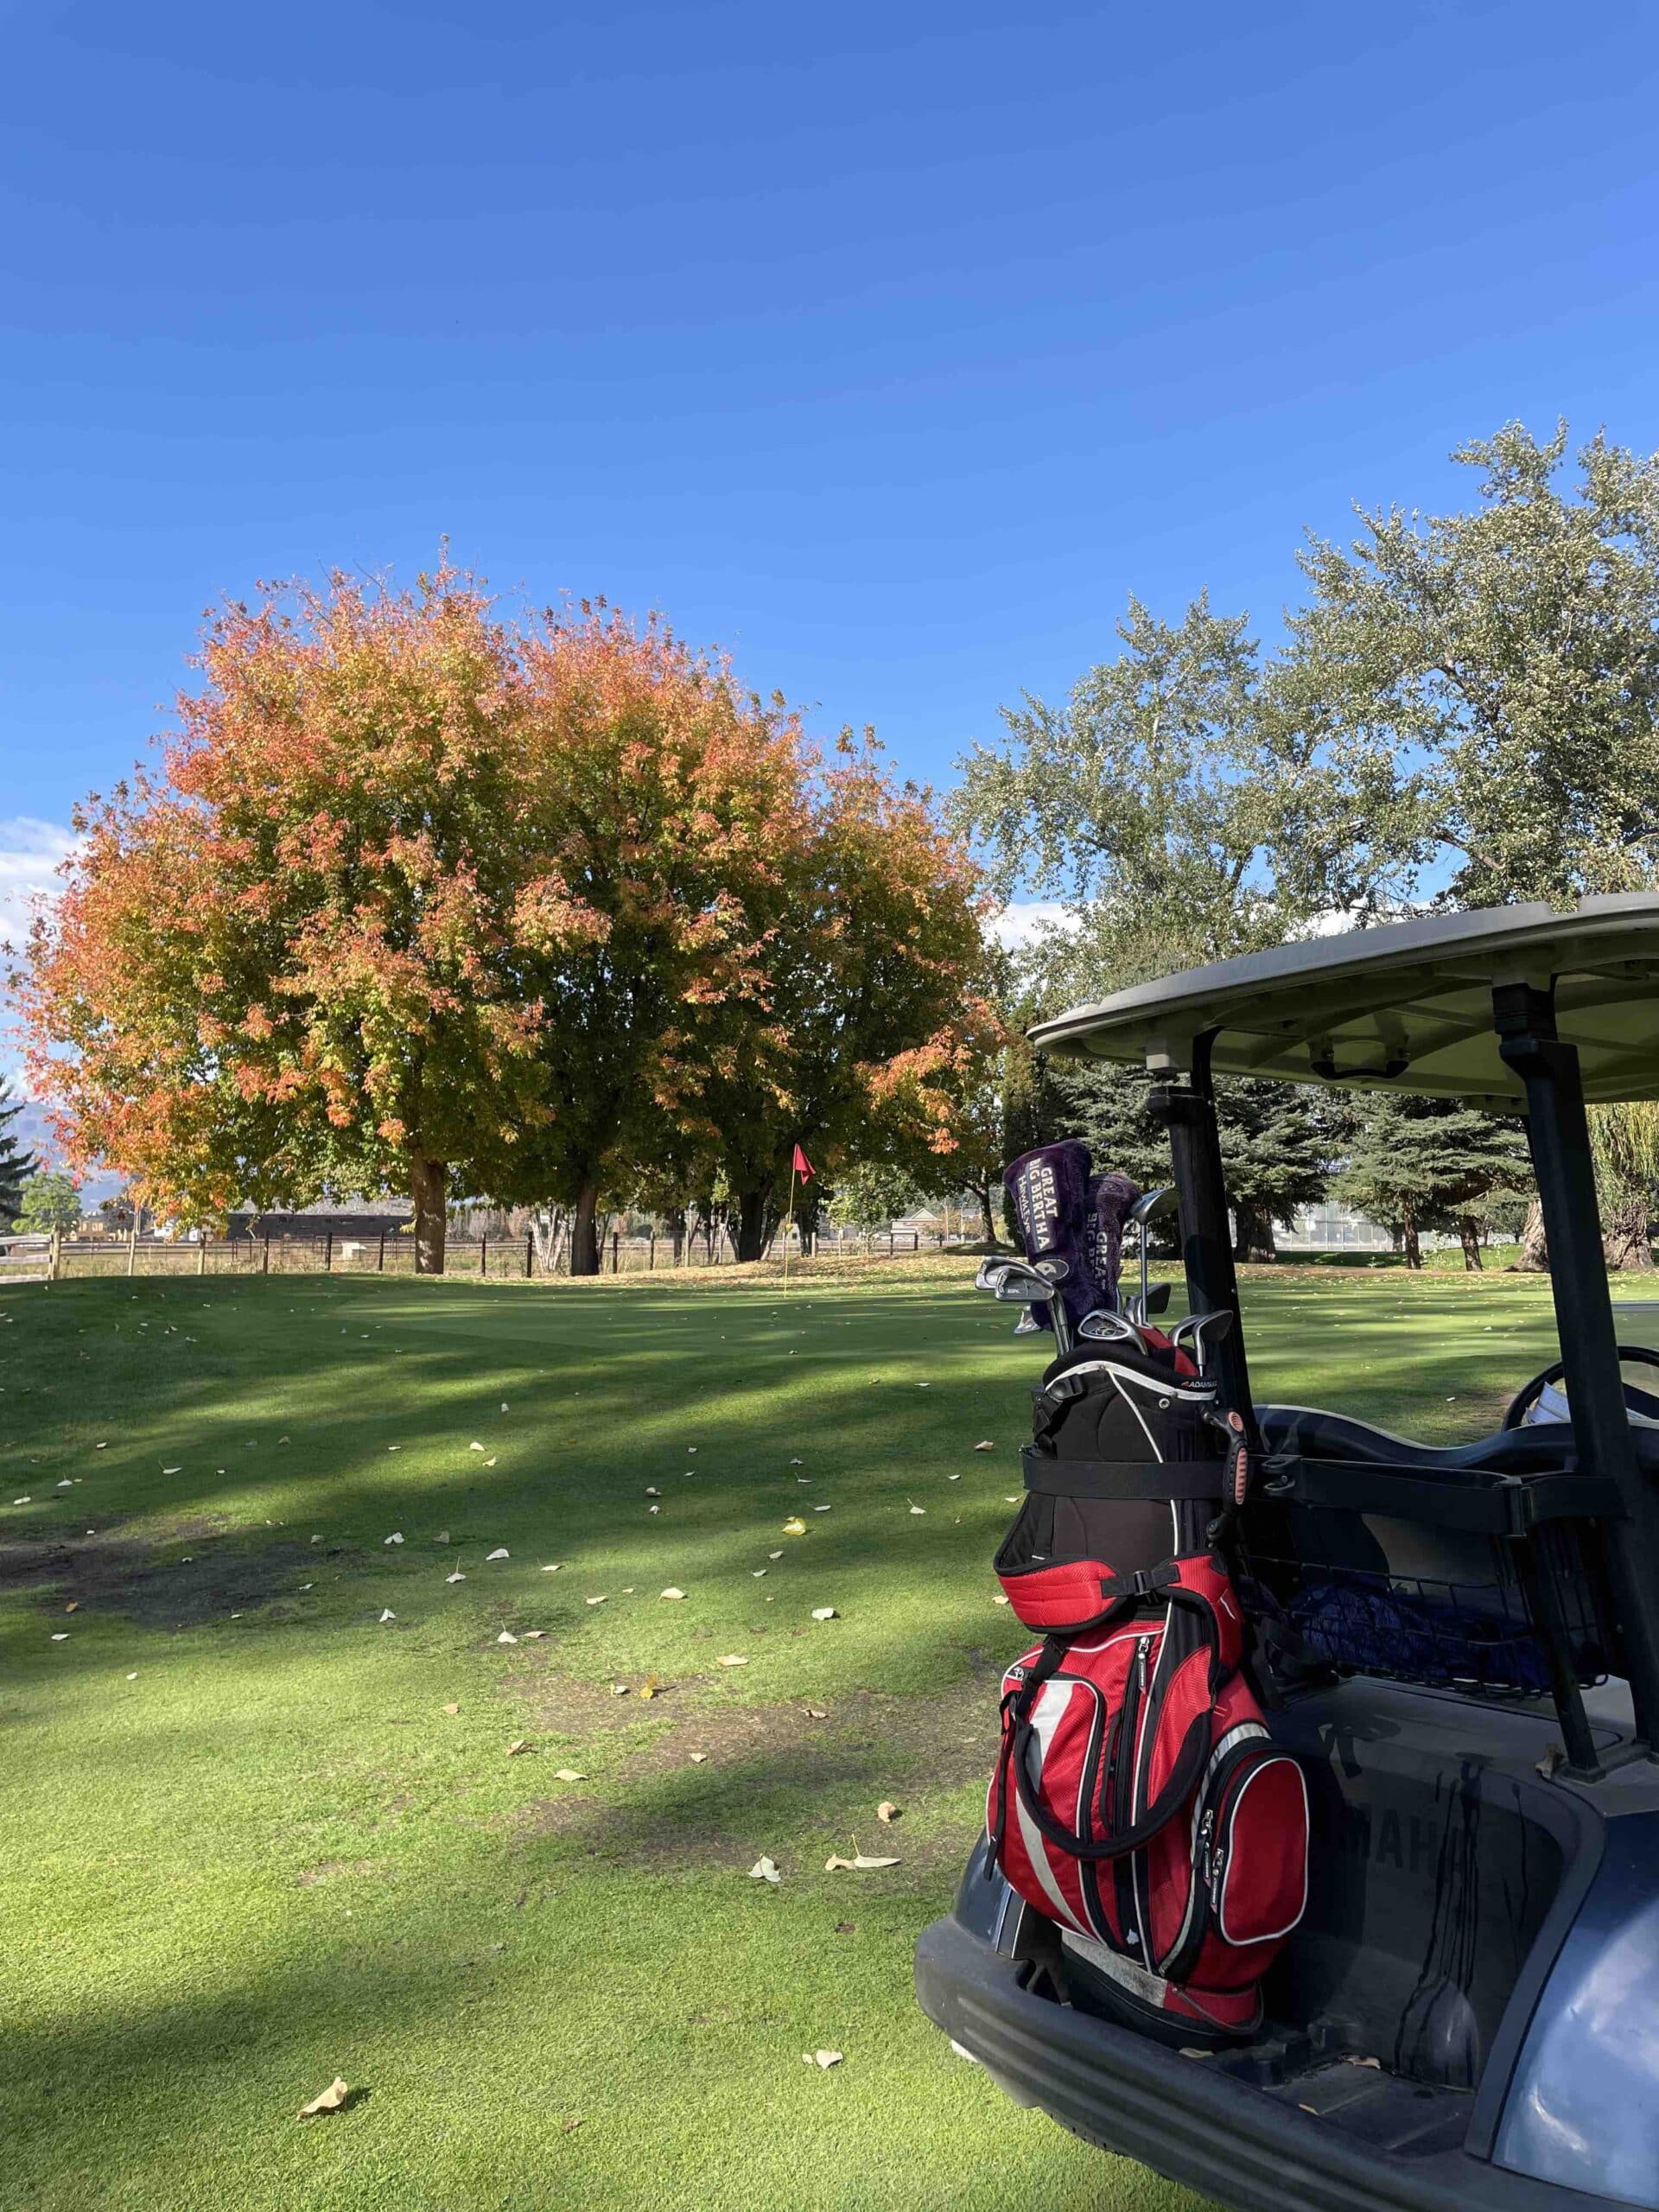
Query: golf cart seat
1313	1433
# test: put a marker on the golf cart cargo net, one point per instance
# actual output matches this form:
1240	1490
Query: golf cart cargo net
1480	1637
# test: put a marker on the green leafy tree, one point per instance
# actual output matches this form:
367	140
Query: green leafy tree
1625	1141
50	1201
870	1195
1181	813
16	1164
1511	653
1417	1163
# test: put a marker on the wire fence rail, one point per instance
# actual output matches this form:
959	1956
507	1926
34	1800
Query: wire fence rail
491	1258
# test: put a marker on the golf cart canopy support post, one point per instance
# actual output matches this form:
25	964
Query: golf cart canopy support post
1188	1112
1558	1132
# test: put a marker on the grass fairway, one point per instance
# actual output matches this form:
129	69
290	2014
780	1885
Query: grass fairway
247	1848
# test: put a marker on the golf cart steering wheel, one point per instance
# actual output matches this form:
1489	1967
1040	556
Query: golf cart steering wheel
1521	1404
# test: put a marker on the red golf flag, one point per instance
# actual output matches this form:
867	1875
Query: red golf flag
802	1166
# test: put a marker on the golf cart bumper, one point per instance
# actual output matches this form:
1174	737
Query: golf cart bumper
1223	2137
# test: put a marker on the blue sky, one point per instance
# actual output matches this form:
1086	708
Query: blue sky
890	347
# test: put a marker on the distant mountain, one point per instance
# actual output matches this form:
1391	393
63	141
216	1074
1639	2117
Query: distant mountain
31	1130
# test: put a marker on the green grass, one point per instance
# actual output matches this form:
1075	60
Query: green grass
270	1856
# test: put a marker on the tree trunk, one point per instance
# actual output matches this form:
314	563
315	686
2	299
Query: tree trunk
752	1225
987	1218
1624	1243
1409	1245
1469	1238
428	1181
1253	1236
584	1232
1533	1258
677	1230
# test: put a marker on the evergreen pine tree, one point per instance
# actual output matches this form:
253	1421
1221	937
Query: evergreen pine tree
1417	1163
16	1164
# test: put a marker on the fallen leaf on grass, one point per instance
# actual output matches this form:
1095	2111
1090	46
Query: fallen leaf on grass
774	1554
507	1636
919	1510
500	1552
554	1569
1011	1501
860	1863
794	1526
824	2059
595	1601
757	1571
698	1758
986	1446
568	1773
821	1508
798	1462
388	1615
653	1508
474	1446
73	1606
395	1538
534	1635
999	1600
672	1591
452	1709
60	1635
815	1712
650	1686
953	1479
172	1470
519	1744
490	1462
456	1577
331	2100
23	1501
764	1870
886	1812
651	1490
442	1537
825	1614
733	1659
620	1689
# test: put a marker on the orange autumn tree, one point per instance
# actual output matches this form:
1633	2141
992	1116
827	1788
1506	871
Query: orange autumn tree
878	1022
421	900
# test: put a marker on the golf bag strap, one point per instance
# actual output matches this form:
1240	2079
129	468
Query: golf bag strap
1156	1480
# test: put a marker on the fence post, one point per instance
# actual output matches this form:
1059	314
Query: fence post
55	1261
329	1252
484	1256
265	1262
650	1252
132	1247
616	1249
530	1253
380	1258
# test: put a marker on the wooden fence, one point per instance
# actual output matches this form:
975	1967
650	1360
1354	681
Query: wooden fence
494	1258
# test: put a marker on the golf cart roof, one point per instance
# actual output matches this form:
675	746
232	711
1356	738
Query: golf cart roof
1410	1003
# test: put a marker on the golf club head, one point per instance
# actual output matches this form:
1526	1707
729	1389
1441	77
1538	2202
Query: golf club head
1154	1206
1102	1327
1156	1301
1027	1325
1199	1332
989	1272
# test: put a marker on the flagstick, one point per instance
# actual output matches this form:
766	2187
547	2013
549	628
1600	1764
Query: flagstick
790	1220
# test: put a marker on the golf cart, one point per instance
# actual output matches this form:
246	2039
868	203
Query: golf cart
1468	2013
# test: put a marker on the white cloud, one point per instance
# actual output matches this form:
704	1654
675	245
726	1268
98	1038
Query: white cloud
29	854
1023	921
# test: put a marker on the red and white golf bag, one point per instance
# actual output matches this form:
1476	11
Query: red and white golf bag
1139	1799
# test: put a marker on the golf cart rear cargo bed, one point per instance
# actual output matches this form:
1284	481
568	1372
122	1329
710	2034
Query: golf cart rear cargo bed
1252	2148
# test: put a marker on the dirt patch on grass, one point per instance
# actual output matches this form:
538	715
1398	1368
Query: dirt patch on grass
684	1814
188	1574
330	1868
